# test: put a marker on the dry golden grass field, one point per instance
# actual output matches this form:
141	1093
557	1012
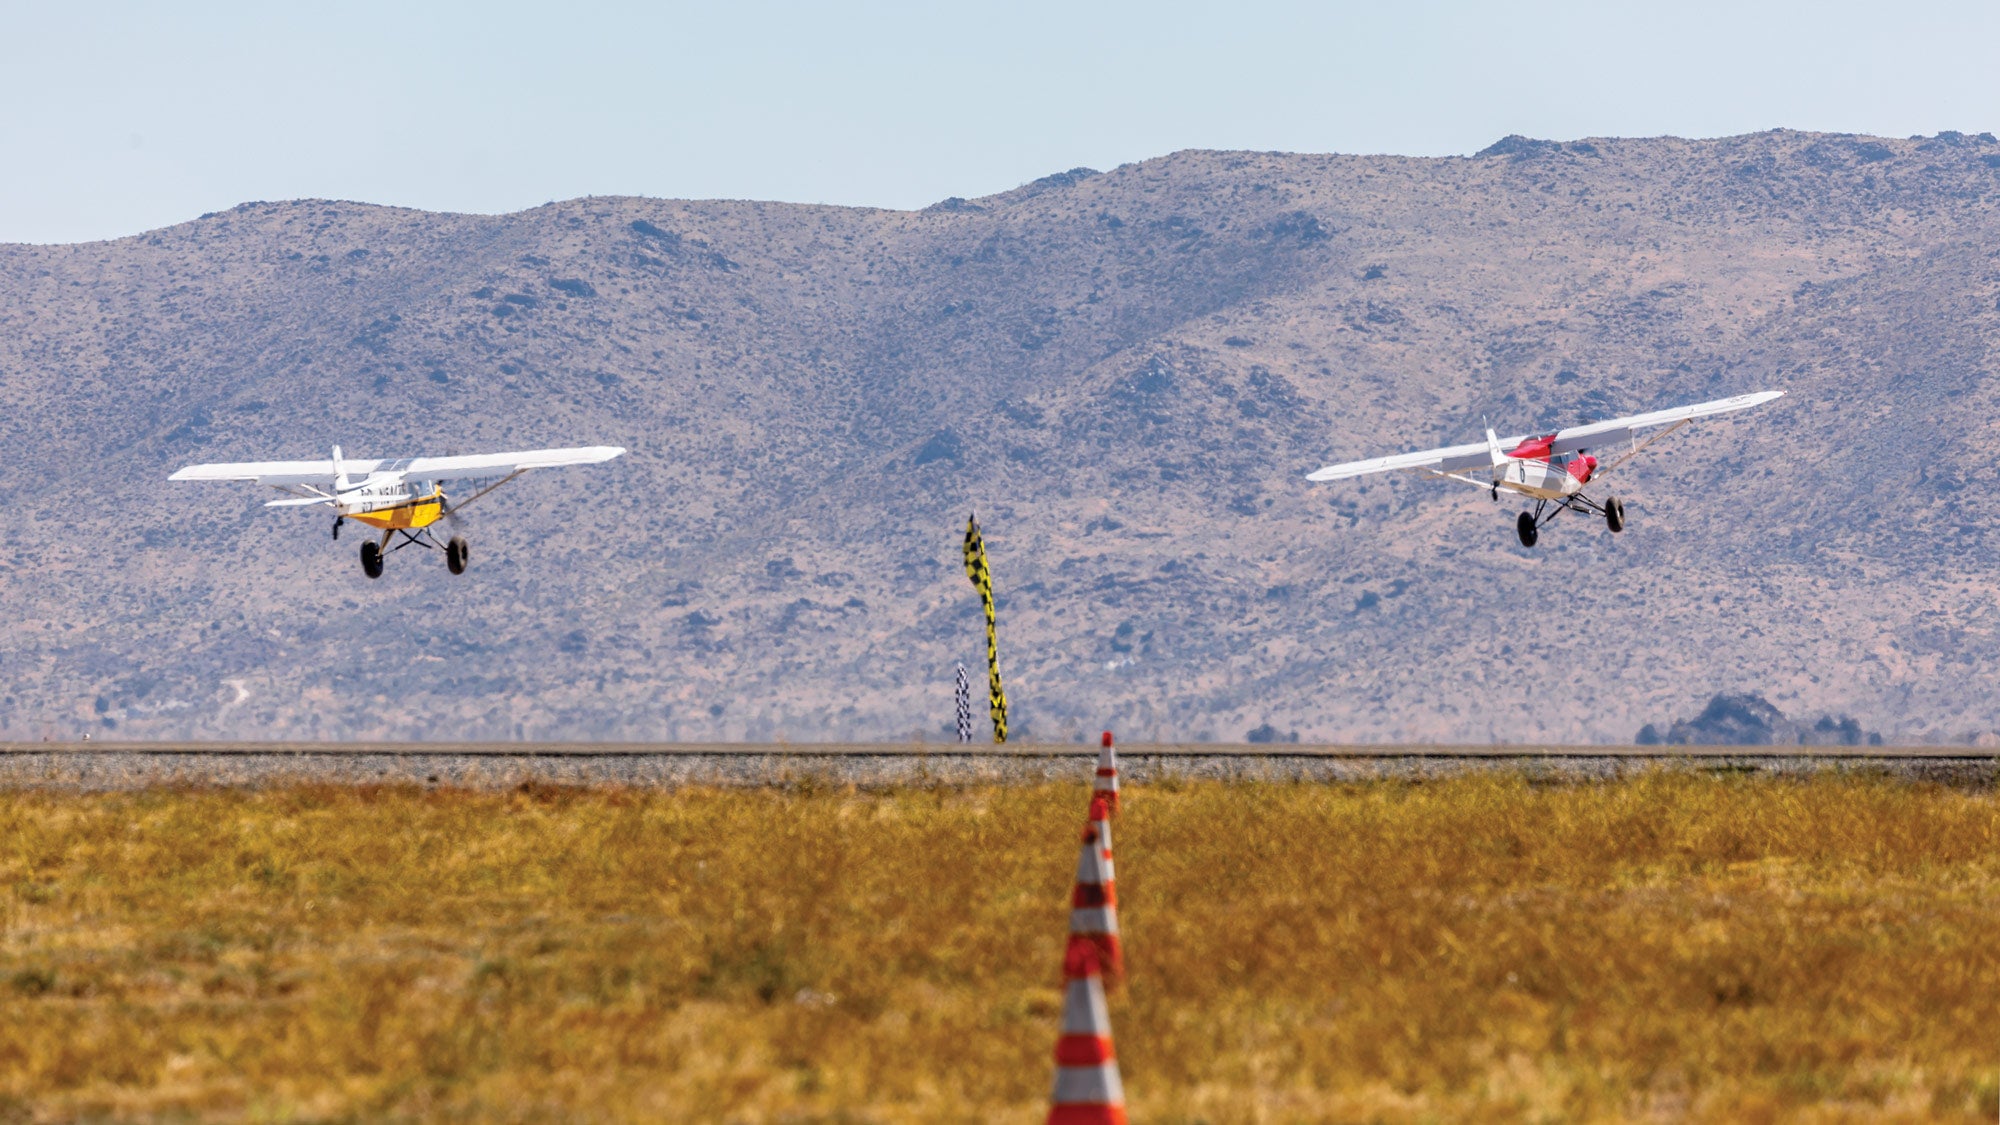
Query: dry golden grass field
1675	947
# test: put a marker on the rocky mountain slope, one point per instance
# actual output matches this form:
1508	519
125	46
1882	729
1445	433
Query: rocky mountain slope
1126	373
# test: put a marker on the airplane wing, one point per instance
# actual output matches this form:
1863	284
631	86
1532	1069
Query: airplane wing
1458	458
1450	459
1619	429
268	472
496	464
420	468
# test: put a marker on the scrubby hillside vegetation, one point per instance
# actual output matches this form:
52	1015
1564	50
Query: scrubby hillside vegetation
1126	373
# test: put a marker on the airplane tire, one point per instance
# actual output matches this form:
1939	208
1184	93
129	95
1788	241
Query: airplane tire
1614	514
371	559
1526	527
457	554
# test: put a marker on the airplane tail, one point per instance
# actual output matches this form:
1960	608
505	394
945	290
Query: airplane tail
340	481
1493	448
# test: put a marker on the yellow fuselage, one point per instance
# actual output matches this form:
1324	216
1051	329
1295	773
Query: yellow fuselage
396	506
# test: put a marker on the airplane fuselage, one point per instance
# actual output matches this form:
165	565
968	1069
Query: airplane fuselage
393	504
1547	477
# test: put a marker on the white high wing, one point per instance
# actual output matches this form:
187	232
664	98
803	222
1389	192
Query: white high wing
1551	469
397	496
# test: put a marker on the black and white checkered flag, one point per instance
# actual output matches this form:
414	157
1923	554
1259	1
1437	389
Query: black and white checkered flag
964	705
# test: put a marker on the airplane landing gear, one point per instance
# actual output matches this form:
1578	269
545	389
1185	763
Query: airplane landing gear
371	559
337	521
457	554
1529	525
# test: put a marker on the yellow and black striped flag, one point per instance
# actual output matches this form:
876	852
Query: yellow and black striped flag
982	580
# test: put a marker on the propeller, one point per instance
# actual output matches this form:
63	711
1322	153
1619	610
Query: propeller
448	512
446	508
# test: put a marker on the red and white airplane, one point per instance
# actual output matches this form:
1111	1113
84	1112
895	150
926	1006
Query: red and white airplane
1551	469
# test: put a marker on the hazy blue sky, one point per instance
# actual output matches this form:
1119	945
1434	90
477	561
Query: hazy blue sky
118	118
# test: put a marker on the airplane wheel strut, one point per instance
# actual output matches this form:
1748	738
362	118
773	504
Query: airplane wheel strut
457	554
1614	514
1526	527
371	558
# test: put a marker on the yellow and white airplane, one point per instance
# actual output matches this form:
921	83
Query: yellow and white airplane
398	496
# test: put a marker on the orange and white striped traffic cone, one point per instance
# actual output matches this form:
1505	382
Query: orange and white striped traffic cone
1106	785
1093	908
1088	1090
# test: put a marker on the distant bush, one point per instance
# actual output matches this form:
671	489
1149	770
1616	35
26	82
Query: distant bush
1154	378
641	226
943	446
575	287
1748	719
1304	226
1269	733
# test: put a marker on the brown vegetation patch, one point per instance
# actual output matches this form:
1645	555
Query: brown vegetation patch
1673	947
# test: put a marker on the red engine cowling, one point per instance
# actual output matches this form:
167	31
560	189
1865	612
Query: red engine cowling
1583	468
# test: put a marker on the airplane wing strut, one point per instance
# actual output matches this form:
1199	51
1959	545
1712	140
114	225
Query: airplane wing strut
1637	449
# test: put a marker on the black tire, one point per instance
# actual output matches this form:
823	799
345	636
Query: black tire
1525	526
371	558
457	554
1614	514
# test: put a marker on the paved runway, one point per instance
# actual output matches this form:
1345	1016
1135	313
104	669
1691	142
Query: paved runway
126	765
